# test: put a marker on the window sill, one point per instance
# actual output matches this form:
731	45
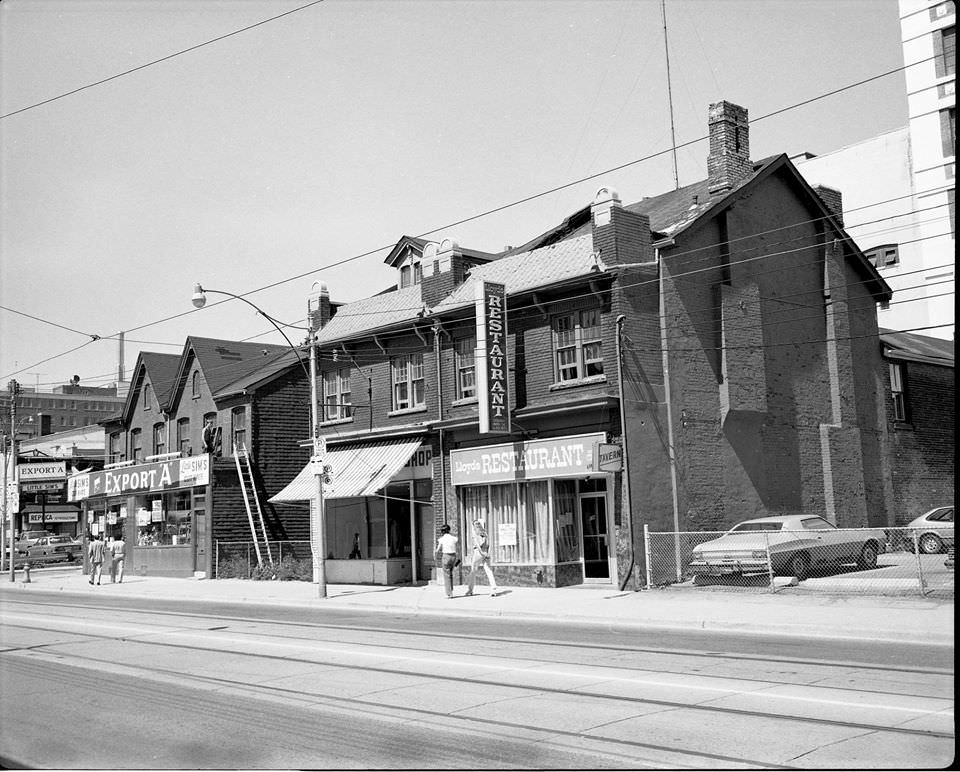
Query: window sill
903	426
581	382
465	401
407	411
336	421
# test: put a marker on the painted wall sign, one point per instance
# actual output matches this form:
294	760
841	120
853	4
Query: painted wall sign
47	470
534	460
157	476
491	358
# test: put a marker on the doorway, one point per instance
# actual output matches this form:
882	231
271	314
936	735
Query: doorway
593	518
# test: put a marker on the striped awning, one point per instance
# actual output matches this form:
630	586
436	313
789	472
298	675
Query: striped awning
356	470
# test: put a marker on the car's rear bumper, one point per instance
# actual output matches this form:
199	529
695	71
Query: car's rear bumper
726	567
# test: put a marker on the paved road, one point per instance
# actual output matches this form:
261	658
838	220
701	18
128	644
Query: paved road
145	684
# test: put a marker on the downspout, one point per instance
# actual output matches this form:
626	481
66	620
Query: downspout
627	499
671	454
443	476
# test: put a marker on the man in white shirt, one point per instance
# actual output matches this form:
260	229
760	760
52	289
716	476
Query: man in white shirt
446	552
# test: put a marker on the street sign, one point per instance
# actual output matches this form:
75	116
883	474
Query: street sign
609	457
319	446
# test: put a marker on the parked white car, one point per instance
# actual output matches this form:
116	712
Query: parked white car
796	543
934	530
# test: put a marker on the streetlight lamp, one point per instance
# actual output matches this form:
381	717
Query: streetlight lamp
317	519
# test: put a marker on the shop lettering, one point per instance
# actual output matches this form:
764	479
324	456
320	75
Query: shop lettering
118	482
510	461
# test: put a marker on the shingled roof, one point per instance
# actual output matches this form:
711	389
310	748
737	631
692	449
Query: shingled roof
162	369
276	364
916	348
374	313
225	361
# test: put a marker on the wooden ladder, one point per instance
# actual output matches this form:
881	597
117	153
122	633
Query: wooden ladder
245	473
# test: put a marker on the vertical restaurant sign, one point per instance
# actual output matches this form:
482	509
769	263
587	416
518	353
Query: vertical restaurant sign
491	358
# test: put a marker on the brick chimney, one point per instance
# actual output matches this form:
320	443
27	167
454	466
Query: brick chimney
443	269
729	160
619	236
318	306
833	199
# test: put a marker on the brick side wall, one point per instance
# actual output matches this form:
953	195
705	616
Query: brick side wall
923	448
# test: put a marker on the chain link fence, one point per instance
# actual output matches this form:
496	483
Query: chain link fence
865	561
284	560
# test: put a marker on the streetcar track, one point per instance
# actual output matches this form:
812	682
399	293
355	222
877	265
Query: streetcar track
359	703
914	670
513	656
464	680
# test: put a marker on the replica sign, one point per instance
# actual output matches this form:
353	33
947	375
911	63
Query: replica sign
491	359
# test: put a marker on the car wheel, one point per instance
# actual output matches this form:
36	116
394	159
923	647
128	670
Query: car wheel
868	557
800	566
930	543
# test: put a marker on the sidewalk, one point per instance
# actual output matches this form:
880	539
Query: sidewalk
910	619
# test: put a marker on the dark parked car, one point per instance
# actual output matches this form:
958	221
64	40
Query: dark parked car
28	539
54	549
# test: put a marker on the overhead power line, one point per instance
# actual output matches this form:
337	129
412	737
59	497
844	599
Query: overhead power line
158	61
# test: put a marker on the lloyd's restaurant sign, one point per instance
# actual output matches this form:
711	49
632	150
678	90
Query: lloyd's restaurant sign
491	359
142	478
535	460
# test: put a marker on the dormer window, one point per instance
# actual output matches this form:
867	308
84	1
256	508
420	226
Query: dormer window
410	273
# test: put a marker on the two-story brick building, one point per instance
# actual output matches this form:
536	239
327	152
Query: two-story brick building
723	335
174	486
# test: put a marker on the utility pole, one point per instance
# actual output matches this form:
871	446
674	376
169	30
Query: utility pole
14	389
318	446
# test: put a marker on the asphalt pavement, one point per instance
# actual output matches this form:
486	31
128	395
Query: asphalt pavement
902	619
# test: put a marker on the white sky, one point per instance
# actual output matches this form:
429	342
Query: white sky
337	129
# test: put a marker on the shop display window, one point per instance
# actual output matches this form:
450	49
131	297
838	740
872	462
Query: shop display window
165	519
517	516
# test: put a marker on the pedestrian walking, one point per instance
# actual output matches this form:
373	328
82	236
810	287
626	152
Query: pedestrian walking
118	550
446	554
480	557
97	550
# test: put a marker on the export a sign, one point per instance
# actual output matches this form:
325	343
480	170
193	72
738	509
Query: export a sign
46	470
158	476
534	460
491	358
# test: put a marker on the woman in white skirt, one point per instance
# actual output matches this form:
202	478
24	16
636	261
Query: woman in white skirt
481	557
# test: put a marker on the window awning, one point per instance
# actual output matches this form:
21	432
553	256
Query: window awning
357	470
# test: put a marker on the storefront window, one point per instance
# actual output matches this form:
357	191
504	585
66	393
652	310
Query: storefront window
356	528
164	519
565	522
517	517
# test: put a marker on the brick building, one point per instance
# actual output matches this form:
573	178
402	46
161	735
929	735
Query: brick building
920	418
723	335
172	487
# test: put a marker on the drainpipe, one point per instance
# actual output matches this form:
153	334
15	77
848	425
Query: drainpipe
671	454
627	498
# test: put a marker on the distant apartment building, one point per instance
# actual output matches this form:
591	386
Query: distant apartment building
61	409
898	188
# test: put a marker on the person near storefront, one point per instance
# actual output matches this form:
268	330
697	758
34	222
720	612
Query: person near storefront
446	553
480	557
118	550
97	550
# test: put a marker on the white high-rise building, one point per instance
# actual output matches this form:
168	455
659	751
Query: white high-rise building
898	188
928	31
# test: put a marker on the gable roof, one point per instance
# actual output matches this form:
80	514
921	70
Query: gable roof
276	365
565	252
223	361
162	371
911	347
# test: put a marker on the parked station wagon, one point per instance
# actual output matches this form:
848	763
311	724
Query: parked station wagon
796	543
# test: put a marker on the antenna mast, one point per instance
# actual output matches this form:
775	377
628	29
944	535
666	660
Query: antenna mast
673	135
